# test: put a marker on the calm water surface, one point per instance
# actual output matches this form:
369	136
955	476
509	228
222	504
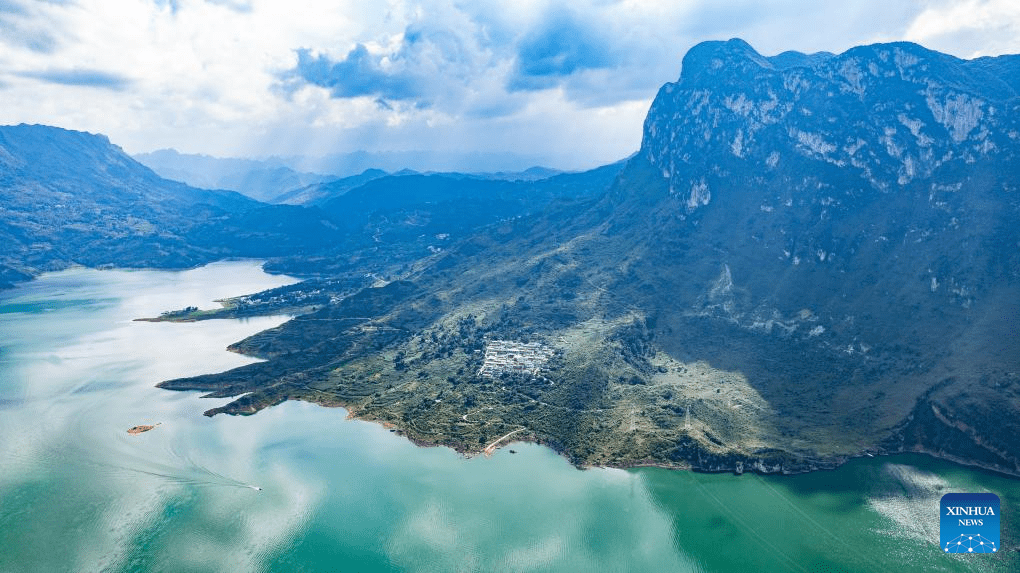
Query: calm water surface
77	493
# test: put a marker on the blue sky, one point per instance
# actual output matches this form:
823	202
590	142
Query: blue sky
565	83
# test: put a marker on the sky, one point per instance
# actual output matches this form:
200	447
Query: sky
563	84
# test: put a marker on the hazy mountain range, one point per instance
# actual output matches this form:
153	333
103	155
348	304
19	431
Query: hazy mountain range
282	180
75	198
811	257
262	180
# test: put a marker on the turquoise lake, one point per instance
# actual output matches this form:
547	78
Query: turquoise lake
78	493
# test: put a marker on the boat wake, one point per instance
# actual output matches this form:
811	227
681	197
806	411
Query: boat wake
120	462
182	469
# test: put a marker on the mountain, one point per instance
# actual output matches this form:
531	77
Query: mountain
535	173
402	195
347	164
811	257
74	198
260	180
317	193
388	223
276	181
876	190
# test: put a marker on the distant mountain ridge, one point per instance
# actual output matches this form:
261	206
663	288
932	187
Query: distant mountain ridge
275	180
812	257
317	193
71	197
394	220
260	180
351	163
287	180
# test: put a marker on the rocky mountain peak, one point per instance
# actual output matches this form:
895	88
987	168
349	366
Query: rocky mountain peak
892	114
708	60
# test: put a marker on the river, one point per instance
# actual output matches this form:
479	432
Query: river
78	493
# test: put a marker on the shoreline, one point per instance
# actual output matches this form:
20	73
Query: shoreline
705	461
748	464
33	274
727	462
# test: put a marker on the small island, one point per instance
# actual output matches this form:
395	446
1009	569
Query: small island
142	428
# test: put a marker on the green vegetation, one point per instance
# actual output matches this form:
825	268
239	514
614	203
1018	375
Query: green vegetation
296	299
663	355
792	270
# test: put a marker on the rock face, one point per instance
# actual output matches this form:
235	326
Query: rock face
887	116
877	190
811	257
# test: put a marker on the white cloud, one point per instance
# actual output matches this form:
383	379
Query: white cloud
969	29
566	81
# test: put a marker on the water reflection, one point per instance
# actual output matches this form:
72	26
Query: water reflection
79	493
333	491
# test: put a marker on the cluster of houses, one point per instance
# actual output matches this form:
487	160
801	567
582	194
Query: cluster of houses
505	356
